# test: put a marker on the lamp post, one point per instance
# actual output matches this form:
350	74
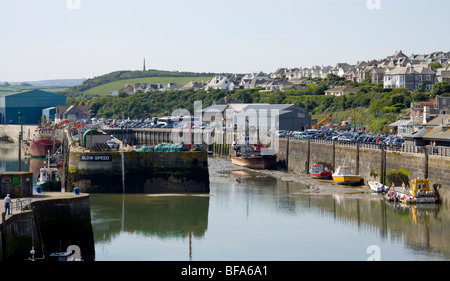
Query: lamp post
20	142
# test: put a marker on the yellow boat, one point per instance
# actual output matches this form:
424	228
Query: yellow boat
343	175
420	192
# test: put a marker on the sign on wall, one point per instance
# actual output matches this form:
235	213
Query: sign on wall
96	157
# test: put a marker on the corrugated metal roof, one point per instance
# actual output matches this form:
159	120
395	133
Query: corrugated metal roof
438	133
417	134
402	122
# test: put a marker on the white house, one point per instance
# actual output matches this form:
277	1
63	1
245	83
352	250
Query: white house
340	91
256	75
218	82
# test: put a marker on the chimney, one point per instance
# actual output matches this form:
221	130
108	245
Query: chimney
426	114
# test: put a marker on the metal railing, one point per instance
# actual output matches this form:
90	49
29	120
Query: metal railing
431	150
20	204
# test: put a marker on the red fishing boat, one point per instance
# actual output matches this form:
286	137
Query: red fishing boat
250	156
318	171
43	143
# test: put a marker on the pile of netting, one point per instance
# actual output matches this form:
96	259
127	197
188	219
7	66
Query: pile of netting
164	147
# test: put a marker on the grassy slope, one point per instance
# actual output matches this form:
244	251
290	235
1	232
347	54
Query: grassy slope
363	117
14	89
105	89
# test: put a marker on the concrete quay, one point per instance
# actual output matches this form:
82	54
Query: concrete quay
44	196
45	222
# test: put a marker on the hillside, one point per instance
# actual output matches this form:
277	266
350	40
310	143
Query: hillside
6	90
105	89
87	88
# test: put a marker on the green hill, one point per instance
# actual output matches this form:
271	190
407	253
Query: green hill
92	86
105	89
6	90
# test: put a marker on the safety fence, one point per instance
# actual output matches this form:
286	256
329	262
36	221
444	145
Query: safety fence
430	150
20	204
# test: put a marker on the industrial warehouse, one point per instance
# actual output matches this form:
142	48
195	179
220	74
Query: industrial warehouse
27	106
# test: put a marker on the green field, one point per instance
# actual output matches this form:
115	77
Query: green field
106	89
14	89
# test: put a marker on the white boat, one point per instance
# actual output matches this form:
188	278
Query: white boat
377	187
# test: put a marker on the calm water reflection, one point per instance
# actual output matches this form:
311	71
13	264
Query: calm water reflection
254	217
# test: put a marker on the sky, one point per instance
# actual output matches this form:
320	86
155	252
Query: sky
73	39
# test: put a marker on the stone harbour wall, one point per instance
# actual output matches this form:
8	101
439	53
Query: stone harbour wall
297	155
138	172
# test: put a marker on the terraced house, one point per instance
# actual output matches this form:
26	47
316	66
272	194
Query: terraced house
411	78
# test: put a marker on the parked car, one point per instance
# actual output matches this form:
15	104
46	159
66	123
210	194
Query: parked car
301	135
398	142
168	126
380	140
280	134
112	144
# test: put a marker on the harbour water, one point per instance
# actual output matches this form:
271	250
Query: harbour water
261	217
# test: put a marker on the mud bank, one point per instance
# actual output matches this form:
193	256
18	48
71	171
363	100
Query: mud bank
221	169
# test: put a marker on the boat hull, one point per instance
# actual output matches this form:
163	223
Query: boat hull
40	148
320	175
255	162
50	185
407	198
317	171
377	187
347	180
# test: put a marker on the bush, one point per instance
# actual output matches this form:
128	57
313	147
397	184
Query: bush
398	177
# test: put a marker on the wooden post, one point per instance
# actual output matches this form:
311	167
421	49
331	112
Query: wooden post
334	155
426	163
287	153
309	155
357	158
382	180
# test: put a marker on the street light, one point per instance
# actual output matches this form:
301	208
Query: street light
20	142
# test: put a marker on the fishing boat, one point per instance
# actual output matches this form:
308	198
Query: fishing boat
420	192
49	179
318	171
343	175
377	187
43	143
250	156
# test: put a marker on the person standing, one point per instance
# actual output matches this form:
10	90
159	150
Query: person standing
7	204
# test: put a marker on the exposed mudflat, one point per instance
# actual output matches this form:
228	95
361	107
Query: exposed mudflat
222	171
13	131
